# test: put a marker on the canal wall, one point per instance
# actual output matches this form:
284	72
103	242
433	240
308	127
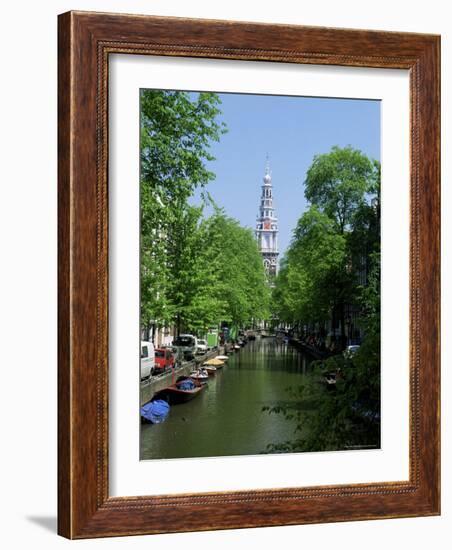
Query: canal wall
149	388
312	351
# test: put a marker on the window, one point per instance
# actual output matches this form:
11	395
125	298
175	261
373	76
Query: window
144	352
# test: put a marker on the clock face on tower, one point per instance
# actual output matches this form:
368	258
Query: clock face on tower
267	225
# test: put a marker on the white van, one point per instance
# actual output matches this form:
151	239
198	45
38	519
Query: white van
147	360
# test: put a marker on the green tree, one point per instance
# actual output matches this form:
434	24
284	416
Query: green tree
314	281
177	129
347	416
340	184
337	183
234	256
333	260
221	277
334	240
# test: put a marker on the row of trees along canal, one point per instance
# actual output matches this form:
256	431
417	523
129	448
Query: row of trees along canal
197	272
333	266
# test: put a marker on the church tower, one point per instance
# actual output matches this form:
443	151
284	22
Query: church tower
267	226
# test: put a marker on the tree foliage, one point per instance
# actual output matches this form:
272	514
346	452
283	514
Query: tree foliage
235	253
334	261
196	272
313	278
176	131
347	416
337	183
333	240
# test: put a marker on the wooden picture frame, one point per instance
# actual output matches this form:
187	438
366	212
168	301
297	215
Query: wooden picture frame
86	40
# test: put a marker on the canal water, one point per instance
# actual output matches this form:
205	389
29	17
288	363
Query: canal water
227	419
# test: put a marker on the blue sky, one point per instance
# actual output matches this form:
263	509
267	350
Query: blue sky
291	130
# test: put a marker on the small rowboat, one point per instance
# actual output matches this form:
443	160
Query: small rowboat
222	357
155	411
236	346
330	378
214	363
211	371
182	391
200	374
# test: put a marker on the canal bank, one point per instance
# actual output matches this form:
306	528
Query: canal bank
149	388
228	418
310	350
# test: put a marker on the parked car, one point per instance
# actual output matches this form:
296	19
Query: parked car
164	359
202	347
147	360
185	346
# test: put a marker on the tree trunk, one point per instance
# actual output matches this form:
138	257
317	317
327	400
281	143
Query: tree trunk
342	320
333	324
178	323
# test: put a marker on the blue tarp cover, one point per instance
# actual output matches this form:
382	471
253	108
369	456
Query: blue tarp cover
186	385
155	411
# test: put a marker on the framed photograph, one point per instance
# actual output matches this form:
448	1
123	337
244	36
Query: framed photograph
248	275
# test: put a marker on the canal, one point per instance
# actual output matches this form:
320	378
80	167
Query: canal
227	418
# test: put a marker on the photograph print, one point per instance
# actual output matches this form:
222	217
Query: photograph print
260	274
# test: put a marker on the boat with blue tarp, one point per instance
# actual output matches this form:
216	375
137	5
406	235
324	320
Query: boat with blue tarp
155	411
182	391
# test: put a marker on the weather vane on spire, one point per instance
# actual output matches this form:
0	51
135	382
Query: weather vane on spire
267	164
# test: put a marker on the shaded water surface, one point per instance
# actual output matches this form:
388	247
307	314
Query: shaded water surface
227	418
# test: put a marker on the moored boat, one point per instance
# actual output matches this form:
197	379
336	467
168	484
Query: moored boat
214	363
211	371
155	411
182	391
200	374
330	378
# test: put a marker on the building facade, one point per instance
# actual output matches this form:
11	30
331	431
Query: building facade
267	226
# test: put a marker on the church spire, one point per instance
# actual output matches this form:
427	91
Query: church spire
267	225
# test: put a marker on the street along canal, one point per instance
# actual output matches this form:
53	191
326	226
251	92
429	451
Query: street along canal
227	418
